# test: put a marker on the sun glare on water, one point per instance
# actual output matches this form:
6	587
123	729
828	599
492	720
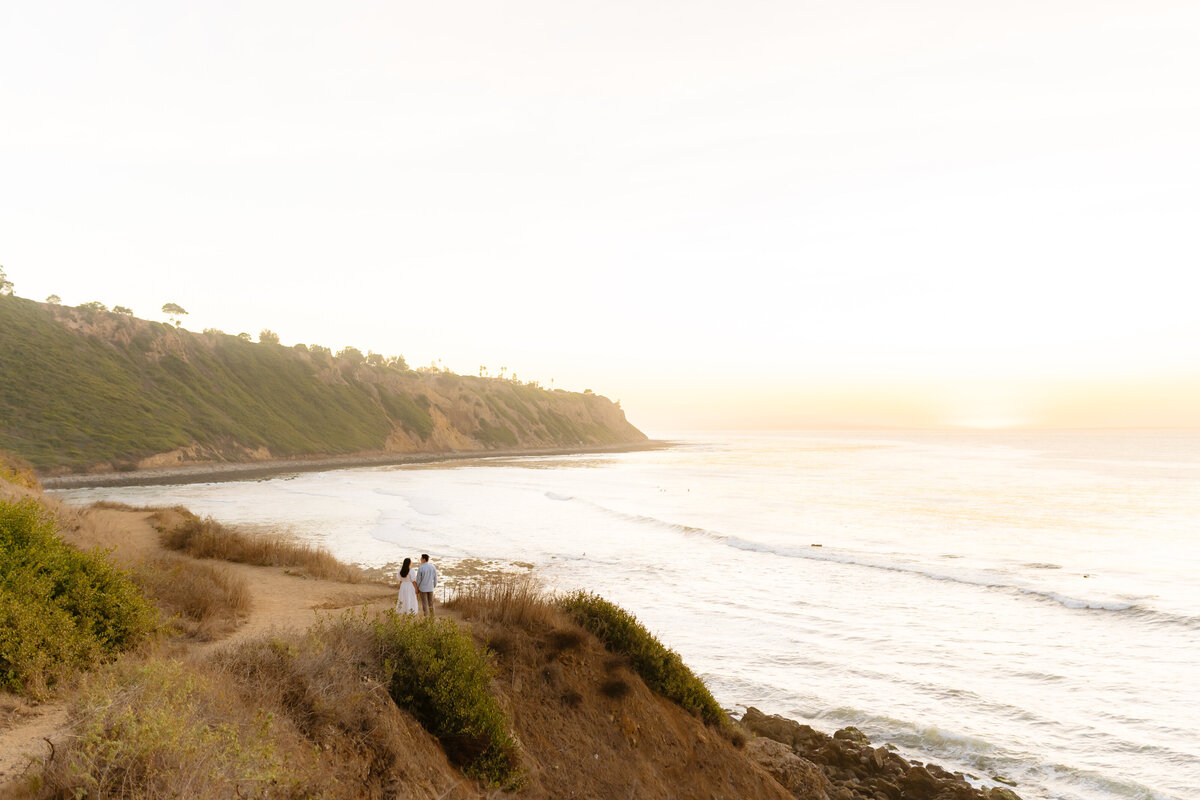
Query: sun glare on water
990	423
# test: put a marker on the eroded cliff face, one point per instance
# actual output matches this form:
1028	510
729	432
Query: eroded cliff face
88	390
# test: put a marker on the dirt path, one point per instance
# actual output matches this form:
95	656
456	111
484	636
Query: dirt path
280	600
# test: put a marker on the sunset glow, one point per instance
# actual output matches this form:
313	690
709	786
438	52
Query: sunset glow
777	216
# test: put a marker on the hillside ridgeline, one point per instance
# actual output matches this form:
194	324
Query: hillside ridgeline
91	390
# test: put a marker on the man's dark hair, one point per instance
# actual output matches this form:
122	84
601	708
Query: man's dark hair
424	556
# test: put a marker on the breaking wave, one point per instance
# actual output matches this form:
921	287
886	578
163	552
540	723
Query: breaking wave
812	553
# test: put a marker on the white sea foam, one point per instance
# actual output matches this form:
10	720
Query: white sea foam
975	578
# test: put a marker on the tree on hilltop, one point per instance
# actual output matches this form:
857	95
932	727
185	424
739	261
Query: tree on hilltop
268	337
6	286
94	305
53	300
126	310
351	354
174	311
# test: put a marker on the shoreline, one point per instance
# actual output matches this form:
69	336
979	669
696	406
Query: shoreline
220	472
803	761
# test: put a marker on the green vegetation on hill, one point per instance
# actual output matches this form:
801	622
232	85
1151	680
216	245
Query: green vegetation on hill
438	673
61	610
83	387
660	667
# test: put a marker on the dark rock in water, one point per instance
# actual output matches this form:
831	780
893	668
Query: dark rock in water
846	767
781	729
851	734
1004	780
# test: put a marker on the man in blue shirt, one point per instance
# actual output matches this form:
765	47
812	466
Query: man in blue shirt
426	583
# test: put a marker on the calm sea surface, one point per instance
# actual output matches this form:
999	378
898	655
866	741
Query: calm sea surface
1023	605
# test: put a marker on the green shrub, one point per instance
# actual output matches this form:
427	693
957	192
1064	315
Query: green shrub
435	671
61	610
495	435
413	416
660	667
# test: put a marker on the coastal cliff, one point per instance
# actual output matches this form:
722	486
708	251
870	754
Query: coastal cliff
89	390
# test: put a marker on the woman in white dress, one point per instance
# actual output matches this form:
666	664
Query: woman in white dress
406	602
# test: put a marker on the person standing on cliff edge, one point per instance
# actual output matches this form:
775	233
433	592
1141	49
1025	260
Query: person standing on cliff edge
426	583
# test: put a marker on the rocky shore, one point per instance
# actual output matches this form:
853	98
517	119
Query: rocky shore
815	766
216	472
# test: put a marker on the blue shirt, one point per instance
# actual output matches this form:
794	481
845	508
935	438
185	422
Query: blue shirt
426	577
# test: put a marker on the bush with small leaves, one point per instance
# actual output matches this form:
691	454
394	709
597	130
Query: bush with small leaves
61	610
660	667
439	674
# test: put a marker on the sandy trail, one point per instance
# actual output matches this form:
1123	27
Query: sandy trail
280	600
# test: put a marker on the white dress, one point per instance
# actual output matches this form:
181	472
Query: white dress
406	602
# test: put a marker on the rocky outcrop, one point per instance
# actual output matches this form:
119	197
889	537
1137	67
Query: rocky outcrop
798	775
815	766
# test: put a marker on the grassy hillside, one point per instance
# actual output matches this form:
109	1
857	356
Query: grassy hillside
86	388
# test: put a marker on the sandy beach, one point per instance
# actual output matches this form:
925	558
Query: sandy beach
214	472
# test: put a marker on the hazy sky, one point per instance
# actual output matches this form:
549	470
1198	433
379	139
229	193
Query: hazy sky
750	214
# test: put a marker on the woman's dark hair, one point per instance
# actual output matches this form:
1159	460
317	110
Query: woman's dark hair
404	568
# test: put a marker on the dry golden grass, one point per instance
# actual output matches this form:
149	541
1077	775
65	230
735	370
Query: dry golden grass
331	689
285	716
207	538
114	505
202	601
162	728
519	601
16	470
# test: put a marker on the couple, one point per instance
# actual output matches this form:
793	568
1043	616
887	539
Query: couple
414	585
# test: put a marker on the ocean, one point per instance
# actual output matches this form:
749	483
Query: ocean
1021	606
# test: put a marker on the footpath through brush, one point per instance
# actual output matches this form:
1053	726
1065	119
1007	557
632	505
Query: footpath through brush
281	599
